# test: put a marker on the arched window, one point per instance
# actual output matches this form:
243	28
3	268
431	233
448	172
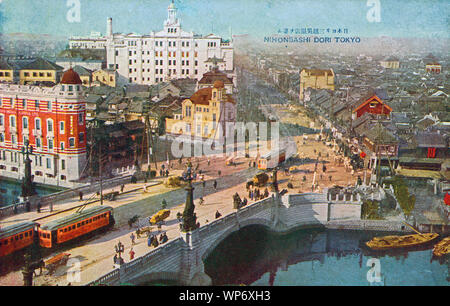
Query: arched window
12	121
25	122
37	124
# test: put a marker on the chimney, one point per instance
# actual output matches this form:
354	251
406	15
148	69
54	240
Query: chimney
109	29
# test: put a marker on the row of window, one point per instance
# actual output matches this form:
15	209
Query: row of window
37	160
14	103
38	141
17	237
37	103
38	74
37	123
86	222
5	74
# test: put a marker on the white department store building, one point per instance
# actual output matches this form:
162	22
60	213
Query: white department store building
160	56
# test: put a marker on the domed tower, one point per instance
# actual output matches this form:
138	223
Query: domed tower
70	137
172	24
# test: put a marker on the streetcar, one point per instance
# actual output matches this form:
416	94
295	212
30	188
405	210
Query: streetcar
272	159
16	237
75	225
54	233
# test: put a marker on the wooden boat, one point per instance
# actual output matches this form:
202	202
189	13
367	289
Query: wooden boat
391	242
442	247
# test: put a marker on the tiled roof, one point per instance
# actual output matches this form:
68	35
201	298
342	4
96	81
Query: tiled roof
433	140
42	64
215	75
380	134
318	72
82	71
202	96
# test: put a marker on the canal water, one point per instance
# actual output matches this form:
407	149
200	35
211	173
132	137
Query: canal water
319	257
10	191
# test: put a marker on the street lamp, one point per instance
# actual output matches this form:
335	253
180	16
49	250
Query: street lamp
189	217
27	183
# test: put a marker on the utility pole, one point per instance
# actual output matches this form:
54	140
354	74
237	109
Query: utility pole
100	161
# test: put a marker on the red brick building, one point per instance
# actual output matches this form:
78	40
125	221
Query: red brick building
53	120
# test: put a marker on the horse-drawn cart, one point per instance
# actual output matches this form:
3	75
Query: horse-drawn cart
56	261
143	230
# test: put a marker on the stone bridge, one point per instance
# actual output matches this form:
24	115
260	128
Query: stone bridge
181	259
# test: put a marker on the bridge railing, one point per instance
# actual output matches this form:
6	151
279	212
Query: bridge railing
64	195
155	255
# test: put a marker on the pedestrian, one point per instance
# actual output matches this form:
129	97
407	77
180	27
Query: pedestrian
330	177
155	242
165	238
209	161
132	254
122	187
244	201
28	206
218	215
132	237
324	168
266	193
39	205
160	172
80	194
115	259
15	209
149	240
215	185
167	172
203	183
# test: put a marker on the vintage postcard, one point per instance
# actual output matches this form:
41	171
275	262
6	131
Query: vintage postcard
220	143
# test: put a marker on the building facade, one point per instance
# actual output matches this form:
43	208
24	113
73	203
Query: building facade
161	56
205	114
40	70
53	121
372	105
316	79
390	63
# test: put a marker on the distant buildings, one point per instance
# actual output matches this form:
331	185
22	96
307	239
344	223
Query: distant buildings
52	119
316	79
40	70
106	77
205	114
372	104
433	68
160	56
390	62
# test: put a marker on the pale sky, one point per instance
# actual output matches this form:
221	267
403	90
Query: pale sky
399	18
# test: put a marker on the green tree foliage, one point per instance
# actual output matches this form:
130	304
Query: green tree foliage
369	210
401	192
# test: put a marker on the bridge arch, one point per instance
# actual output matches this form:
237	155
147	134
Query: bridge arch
253	221
155	276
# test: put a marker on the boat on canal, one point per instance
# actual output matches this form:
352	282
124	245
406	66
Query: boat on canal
442	248
395	242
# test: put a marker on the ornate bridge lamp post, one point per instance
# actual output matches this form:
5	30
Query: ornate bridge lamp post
189	217
27	181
